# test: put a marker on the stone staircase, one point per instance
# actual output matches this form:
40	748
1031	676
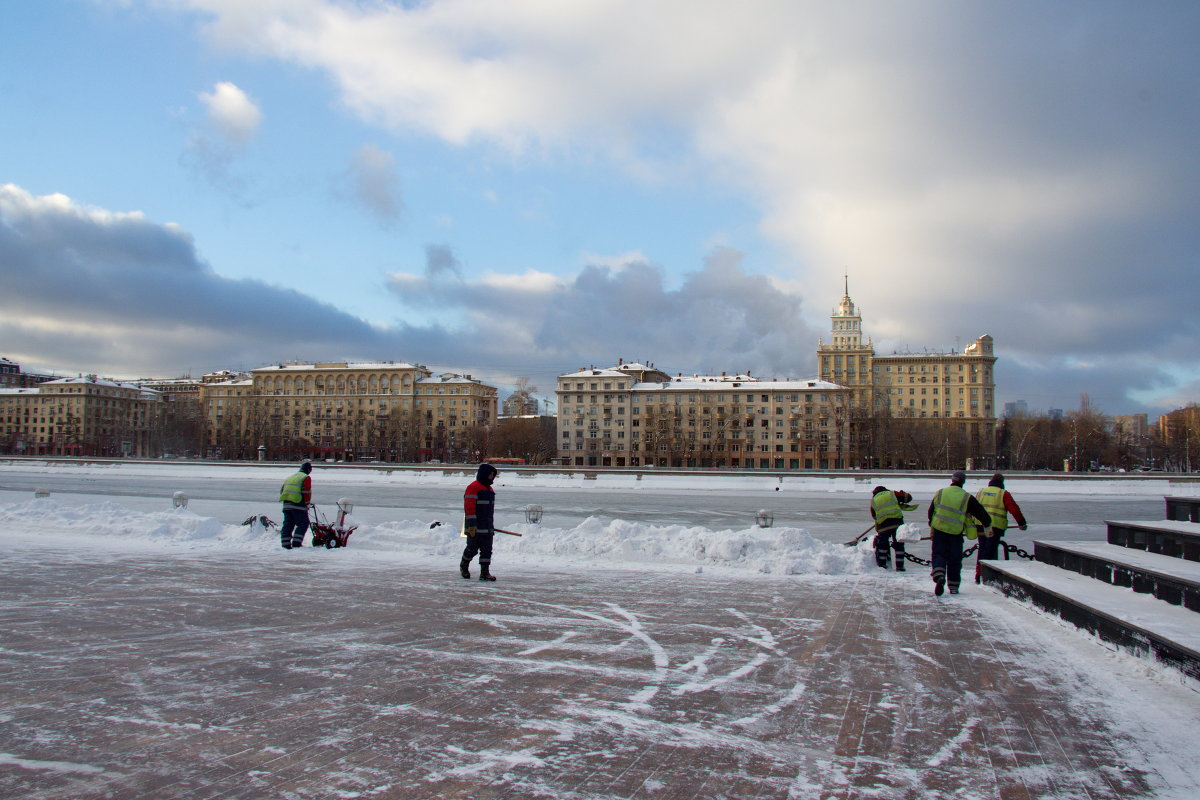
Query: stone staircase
1139	591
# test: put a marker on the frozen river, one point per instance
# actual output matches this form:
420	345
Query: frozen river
830	509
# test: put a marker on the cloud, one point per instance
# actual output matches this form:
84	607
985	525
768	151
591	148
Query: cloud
373	183
720	318
232	114
231	122
1022	169
93	290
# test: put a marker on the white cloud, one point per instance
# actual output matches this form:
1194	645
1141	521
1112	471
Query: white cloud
231	112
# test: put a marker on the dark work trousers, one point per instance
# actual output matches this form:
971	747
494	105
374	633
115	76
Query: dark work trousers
886	540
989	546
948	557
480	543
295	523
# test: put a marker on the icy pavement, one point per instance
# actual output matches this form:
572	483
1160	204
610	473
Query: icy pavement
159	673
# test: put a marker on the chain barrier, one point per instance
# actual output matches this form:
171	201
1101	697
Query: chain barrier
1012	548
1009	548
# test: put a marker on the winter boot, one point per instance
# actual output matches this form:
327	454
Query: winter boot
484	575
939	581
463	569
900	564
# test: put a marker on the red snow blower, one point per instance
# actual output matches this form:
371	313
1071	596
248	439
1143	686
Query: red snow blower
335	535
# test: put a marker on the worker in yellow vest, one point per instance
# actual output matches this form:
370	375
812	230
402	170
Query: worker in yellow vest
296	495
999	504
887	509
950	514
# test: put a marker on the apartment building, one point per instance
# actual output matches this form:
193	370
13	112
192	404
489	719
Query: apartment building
390	411
636	415
957	388
83	416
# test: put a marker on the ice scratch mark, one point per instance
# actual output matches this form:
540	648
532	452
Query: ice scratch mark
764	639
949	748
53	766
549	645
661	662
774	708
700	662
742	671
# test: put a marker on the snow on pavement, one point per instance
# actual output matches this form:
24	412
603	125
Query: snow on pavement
166	654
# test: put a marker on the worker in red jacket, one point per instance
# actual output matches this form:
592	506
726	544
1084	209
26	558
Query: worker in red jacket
479	505
999	504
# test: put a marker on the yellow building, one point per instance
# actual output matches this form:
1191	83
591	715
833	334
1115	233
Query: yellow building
389	411
635	415
958	389
84	416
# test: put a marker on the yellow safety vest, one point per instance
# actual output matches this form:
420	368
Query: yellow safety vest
992	498
886	506
950	510
292	490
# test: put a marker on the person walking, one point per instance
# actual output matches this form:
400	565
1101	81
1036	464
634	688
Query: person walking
949	514
999	504
887	509
479	505
295	494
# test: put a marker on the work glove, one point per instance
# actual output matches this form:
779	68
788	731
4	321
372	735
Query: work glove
986	533
1023	527
972	532
470	531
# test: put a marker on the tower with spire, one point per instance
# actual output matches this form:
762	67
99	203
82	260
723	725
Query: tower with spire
846	360
912	389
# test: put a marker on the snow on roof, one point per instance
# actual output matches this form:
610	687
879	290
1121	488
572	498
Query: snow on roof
597	373
339	365
724	383
94	381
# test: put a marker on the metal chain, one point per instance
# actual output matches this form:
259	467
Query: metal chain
916	560
970	550
1012	548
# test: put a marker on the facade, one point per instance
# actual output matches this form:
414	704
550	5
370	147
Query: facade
889	390
82	416
635	415
388	411
11	375
1178	432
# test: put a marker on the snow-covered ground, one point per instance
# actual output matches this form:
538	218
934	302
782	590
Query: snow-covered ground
1151	718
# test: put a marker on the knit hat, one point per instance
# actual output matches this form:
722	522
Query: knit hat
959	477
997	480
306	466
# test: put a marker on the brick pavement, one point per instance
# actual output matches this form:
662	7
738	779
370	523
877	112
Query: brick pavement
298	676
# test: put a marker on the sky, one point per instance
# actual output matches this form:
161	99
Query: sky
523	189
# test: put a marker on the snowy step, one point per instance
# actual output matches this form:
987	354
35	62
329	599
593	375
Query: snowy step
1183	509
1134	622
1168	538
1172	580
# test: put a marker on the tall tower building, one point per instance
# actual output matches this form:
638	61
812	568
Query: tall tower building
956	386
846	360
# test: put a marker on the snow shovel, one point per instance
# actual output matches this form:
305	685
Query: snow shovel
860	537
462	532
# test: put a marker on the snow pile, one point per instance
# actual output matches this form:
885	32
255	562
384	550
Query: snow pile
597	543
43	515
